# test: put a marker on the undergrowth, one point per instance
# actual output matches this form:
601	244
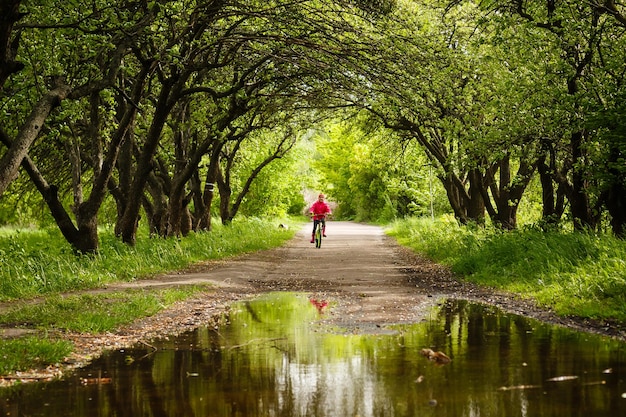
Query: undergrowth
573	273
87	313
26	353
40	262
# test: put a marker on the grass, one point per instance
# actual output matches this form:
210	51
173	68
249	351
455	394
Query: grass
573	273
40	264
31	352
95	313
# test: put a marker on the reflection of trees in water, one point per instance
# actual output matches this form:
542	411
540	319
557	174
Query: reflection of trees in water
281	361
495	352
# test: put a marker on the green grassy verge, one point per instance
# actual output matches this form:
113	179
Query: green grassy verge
36	263
40	264
573	273
95	313
31	352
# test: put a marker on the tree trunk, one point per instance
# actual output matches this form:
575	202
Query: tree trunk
129	222
549	213
124	161
579	199
87	239
186	219
616	194
175	210
616	205
84	238
12	159
125	175
553	201
225	195
204	216
103	164
468	205
506	192
185	165
154	202
476	202
198	202
9	15
455	199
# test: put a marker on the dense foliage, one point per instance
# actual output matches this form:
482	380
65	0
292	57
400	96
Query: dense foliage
372	177
165	112
161	107
498	92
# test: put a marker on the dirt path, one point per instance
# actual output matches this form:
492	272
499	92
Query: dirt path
369	280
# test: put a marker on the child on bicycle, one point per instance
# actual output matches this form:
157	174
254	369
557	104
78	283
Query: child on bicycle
318	211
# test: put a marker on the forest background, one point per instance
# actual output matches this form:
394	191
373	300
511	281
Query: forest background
499	124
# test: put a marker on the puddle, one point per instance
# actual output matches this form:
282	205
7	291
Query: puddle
276	358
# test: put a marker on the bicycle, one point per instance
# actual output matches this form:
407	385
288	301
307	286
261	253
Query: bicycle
318	234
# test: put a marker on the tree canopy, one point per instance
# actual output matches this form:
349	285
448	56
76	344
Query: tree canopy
170	111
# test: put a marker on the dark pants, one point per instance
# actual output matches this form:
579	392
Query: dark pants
315	222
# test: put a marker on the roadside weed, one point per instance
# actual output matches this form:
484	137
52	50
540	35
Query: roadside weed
573	273
95	313
40	262
23	353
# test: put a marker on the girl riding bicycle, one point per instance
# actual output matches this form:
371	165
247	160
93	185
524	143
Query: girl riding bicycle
319	210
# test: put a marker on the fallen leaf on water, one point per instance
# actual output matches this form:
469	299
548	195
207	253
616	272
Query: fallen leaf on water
518	387
439	358
95	381
588	384
563	378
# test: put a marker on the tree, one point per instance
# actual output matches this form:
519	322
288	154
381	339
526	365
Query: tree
9	41
108	45
437	105
471	93
276	147
18	148
586	35
370	174
132	71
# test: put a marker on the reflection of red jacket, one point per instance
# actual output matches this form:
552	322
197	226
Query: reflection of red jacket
319	210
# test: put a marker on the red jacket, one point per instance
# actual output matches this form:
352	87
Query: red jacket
319	209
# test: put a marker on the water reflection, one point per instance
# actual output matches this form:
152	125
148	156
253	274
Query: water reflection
276	358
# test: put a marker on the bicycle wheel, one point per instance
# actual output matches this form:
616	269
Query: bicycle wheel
318	236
